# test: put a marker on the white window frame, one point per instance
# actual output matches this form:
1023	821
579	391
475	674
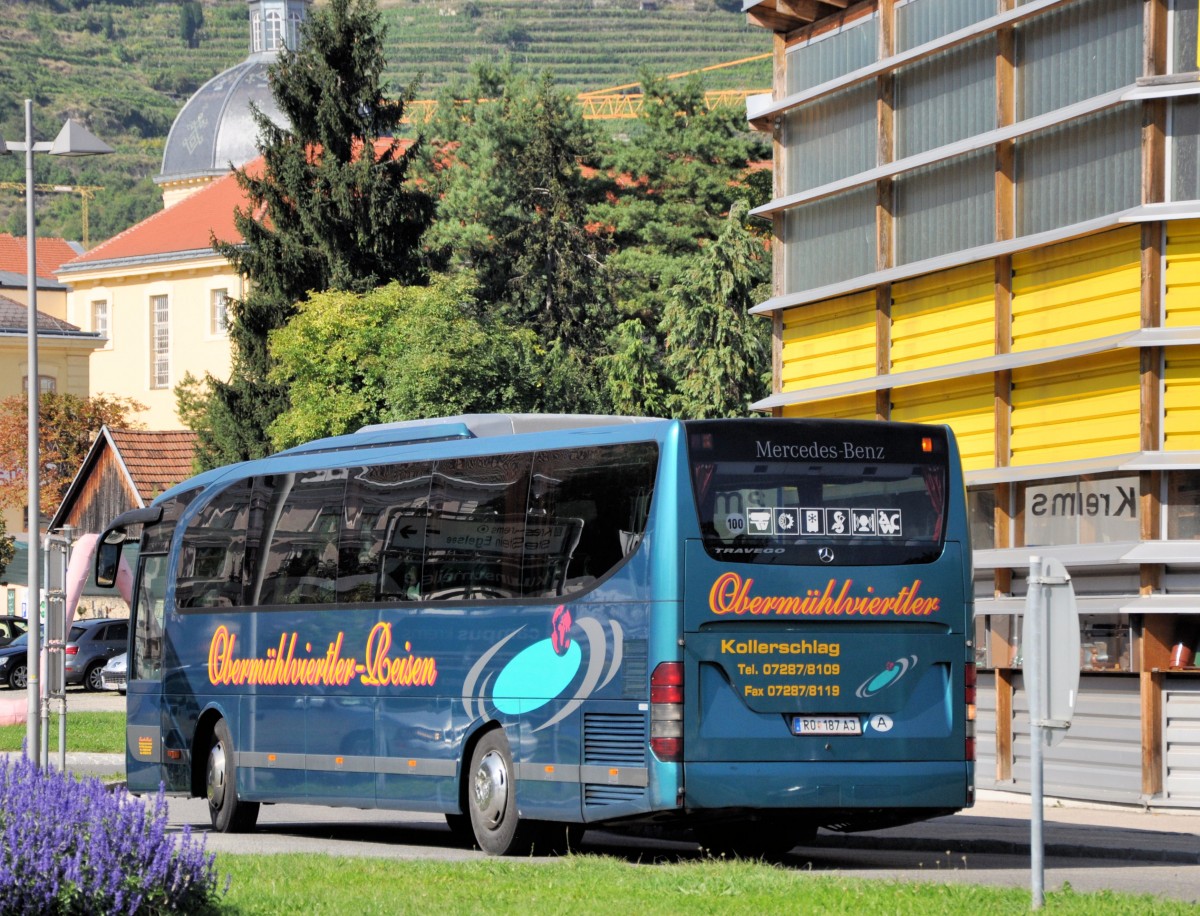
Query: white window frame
160	341
218	312
102	320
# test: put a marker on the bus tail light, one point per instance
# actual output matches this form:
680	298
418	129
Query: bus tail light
969	697
666	712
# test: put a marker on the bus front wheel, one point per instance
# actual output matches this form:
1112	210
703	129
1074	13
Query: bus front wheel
228	813
492	799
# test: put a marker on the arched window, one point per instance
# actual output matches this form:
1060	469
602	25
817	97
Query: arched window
295	17
274	34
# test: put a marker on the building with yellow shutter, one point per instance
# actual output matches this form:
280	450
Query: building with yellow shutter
987	214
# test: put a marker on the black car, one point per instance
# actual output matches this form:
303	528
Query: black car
14	663
10	628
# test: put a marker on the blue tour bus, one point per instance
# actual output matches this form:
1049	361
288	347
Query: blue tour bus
536	624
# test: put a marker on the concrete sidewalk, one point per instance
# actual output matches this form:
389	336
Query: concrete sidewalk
998	823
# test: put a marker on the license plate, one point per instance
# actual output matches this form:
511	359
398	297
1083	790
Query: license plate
826	725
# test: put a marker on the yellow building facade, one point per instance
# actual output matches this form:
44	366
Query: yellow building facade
158	294
987	214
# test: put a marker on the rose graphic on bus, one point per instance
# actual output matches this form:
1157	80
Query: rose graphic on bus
546	670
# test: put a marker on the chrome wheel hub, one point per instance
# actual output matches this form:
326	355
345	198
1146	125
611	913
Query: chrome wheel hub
490	789
215	779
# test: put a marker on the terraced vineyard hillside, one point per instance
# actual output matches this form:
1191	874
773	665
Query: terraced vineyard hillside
123	67
586	45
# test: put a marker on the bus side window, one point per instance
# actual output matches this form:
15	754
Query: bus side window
476	528
381	542
299	539
212	560
593	504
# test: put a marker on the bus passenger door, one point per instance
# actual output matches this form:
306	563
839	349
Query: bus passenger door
144	754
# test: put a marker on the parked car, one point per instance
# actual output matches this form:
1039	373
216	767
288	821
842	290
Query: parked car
10	628
14	663
114	675
90	644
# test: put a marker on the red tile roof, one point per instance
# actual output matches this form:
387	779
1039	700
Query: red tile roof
51	254
155	459
186	226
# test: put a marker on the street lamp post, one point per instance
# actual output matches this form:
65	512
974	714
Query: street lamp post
73	140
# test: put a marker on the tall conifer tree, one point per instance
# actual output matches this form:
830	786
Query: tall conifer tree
331	209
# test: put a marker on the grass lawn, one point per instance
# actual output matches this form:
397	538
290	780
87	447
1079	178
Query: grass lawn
595	884
90	732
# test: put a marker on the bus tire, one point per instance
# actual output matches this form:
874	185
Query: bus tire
229	814
492	799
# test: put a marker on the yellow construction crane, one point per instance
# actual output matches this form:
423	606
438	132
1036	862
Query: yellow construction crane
85	191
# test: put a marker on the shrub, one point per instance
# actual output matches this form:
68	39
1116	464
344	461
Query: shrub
70	846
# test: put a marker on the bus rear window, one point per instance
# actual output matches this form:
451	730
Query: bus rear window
820	492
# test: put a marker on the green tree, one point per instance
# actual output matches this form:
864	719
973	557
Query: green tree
332	208
717	354
676	179
394	353
191	20
513	209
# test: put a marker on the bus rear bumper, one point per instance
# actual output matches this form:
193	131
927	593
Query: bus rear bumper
829	786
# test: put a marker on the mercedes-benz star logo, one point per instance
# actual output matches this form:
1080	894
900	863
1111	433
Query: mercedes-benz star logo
825	555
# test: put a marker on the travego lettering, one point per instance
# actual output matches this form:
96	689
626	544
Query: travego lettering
731	594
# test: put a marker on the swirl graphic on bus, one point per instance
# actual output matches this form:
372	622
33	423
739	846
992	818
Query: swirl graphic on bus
547	670
892	672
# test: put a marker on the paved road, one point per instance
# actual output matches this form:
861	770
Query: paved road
78	699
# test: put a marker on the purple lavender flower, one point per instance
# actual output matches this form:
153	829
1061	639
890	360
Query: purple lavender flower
69	846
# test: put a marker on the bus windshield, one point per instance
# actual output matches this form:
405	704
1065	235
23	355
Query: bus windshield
841	493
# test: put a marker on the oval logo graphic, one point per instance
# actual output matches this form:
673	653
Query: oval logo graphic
891	673
880	723
535	677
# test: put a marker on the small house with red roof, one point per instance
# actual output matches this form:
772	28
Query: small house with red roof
124	469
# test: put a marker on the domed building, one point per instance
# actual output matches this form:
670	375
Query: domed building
215	130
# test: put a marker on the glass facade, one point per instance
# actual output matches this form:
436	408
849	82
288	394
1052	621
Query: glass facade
1079	165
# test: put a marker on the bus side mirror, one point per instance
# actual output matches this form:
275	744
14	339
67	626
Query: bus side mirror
108	558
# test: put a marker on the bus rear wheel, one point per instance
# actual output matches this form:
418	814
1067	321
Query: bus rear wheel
492	799
228	813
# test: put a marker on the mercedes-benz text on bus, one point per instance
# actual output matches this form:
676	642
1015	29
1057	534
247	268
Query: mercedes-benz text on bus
537	624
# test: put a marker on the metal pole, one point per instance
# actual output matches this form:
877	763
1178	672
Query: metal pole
34	654
1035	654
